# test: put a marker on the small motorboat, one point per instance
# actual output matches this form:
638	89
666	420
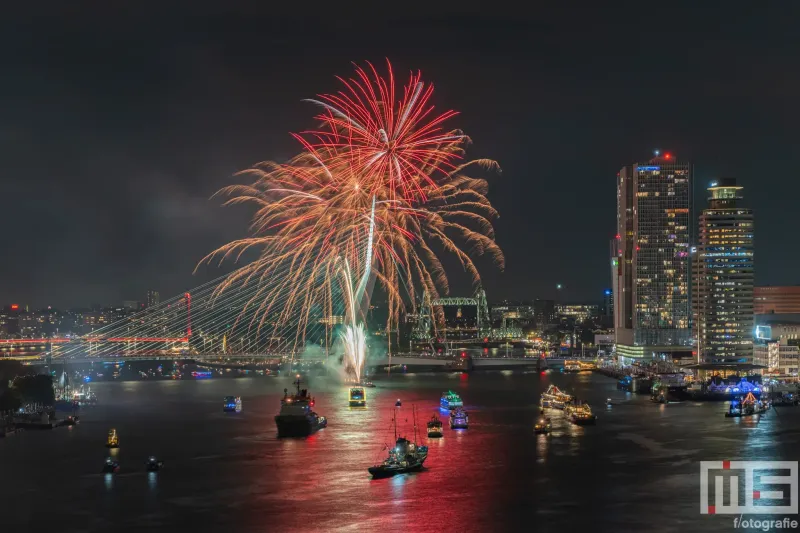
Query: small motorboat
232	404
434	427
542	426
358	397
113	439
71	420
153	464
608	402
459	419
398	403
110	466
369	384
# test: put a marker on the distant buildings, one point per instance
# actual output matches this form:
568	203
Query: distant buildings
153	298
723	280
544	312
777	300
580	312
651	267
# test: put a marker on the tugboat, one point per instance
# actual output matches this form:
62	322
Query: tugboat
296	419
358	397
450	400
747	407
406	456
110	466
232	404
542	426
434	427
459	419
112	441
153	464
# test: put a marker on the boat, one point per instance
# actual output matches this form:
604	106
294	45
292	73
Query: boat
406	456
153	464
748	406
434	427
398	403
459	419
110	466
369	384
542	426
113	439
71	420
581	414
358	397
450	400
296	419
554	398
232	404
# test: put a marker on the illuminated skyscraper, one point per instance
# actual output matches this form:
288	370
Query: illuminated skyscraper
652	271
723	284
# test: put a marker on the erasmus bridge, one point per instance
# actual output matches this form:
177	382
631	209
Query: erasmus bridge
209	325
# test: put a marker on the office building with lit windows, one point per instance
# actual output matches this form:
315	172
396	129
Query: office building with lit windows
723	282
650	266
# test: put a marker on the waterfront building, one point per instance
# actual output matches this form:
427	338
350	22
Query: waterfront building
651	267
778	357
782	331
777	300
723	282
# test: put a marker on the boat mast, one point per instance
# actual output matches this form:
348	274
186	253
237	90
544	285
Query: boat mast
414	418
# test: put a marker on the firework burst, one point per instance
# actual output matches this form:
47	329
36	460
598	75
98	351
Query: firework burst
378	154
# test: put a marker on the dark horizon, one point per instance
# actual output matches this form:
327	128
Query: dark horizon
117	127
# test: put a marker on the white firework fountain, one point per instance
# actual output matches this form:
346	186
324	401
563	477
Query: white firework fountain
354	336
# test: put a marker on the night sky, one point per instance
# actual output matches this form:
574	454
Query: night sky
116	126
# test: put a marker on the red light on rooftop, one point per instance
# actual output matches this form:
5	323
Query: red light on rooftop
14	307
667	156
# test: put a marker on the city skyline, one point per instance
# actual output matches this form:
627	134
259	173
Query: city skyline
546	116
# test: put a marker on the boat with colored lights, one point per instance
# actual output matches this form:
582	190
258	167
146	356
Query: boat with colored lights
554	398
581	414
435	427
542	426
406	456
113	440
459	419
358	397
450	400
296	419
747	406
232	404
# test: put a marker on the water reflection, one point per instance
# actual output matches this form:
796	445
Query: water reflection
109	481
152	480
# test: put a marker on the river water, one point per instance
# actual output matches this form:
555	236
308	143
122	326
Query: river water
636	470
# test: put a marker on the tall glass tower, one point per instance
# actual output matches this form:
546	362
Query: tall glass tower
652	288
724	278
